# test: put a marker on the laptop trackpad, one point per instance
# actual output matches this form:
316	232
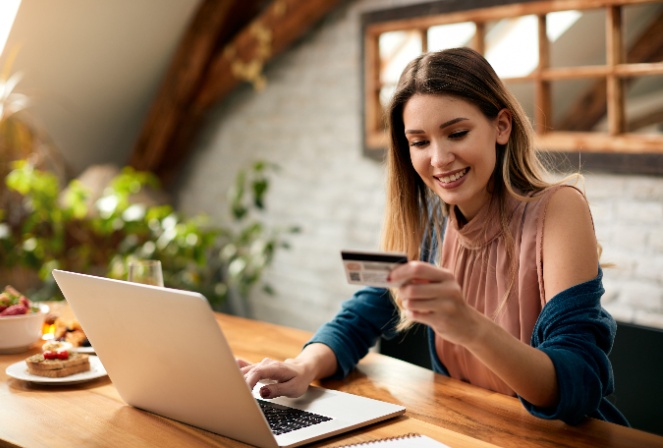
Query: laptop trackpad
313	394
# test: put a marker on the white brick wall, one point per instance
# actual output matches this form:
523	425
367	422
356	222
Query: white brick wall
628	214
308	121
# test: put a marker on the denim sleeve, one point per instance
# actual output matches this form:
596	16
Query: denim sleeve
577	334
367	315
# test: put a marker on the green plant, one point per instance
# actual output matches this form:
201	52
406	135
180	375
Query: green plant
59	229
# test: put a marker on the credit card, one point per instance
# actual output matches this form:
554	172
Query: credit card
370	268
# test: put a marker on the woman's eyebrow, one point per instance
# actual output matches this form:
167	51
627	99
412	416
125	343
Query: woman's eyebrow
413	131
442	126
454	121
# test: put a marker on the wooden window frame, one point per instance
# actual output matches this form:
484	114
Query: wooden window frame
615	151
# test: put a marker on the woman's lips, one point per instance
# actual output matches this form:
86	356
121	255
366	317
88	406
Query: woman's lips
452	180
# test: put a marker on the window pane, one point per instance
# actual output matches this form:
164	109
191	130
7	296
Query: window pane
639	32
524	92
576	86
579	105
454	35
512	46
397	48
385	95
579	38
558	23
644	104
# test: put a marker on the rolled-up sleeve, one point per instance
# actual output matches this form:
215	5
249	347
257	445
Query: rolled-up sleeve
367	315
577	334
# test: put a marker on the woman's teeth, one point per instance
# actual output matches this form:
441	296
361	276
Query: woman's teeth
453	177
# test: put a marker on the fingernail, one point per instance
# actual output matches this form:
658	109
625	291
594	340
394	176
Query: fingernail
264	392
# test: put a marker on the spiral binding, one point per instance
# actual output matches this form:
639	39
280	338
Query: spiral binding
387	439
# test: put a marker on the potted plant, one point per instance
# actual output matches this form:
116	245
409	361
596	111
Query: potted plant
61	228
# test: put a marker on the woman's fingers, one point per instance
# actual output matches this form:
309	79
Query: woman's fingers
418	290
242	363
432	300
431	295
292	389
418	271
266	369
284	378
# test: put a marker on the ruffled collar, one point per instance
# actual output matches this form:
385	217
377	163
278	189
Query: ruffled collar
484	227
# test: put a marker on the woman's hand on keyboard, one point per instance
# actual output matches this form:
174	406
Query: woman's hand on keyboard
287	378
291	377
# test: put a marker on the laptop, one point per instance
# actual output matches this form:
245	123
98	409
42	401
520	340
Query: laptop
165	353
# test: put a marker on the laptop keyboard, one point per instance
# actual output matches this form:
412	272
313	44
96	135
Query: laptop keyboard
283	419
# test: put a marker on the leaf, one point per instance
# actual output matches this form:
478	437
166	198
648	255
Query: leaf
75	199
236	196
259	166
260	187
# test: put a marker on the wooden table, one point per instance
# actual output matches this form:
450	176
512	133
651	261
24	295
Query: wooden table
455	413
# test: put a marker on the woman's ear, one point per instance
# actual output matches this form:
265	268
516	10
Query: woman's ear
503	126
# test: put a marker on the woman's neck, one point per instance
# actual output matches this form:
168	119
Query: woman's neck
460	218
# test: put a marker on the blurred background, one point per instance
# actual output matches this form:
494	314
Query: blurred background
254	131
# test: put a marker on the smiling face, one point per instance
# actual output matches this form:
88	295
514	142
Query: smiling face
453	147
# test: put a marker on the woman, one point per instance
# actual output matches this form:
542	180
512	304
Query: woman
512	296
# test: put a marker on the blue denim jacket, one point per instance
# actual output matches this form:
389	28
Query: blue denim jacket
572	329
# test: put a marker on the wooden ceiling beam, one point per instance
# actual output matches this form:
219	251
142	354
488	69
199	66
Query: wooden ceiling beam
269	35
168	135
215	22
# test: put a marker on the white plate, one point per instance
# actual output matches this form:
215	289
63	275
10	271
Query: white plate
19	371
87	350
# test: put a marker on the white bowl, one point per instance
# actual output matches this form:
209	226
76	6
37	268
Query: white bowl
19	333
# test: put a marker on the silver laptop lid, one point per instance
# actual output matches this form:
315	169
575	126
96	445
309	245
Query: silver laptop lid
165	353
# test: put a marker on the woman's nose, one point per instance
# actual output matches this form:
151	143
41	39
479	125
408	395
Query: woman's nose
441	156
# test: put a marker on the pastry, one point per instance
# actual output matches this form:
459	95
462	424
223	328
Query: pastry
70	331
57	361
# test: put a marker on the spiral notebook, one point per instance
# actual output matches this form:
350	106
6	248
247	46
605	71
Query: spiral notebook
404	441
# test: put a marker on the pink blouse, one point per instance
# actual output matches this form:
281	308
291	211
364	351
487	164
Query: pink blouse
476	253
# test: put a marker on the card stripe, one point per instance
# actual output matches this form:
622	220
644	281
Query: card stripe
374	256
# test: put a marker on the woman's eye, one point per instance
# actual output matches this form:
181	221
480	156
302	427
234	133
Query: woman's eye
418	144
458	135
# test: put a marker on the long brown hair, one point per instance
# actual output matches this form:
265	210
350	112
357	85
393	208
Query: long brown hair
412	209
